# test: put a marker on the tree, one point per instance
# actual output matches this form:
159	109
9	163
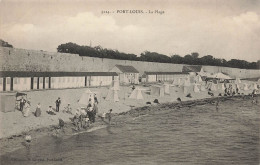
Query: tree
5	44
154	57
176	59
258	64
188	59
195	55
191	59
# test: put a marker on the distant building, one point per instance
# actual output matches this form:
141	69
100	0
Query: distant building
127	74
25	81
191	68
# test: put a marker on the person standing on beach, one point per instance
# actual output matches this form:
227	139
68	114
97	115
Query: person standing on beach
26	110
58	102
109	115
76	120
95	108
95	99
90	113
22	103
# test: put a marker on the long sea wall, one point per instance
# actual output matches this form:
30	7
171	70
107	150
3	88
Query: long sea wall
13	59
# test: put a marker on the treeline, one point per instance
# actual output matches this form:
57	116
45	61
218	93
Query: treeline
192	59
5	44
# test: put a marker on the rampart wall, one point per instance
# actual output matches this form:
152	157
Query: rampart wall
12	59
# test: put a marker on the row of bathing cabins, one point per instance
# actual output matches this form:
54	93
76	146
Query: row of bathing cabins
125	74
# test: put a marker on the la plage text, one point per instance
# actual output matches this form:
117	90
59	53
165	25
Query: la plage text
133	12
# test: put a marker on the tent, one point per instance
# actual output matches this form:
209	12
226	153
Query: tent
187	82
112	94
237	86
212	86
177	81
202	88
198	78
221	86
246	87
157	90
84	99
166	88
203	74
221	76
254	86
136	94
196	88
115	84
234	87
237	81
187	87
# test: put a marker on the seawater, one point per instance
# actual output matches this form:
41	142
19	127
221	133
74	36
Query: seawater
189	135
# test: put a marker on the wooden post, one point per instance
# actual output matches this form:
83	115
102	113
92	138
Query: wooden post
38	82
89	80
43	81
49	82
32	82
12	84
4	84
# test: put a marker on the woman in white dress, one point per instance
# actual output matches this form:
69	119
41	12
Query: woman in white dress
26	109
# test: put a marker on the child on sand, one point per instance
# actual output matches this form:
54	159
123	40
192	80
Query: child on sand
50	111
107	115
67	109
38	110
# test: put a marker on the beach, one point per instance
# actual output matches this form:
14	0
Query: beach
14	126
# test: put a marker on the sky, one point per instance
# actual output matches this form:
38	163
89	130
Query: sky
224	29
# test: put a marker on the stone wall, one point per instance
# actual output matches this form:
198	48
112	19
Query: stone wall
233	72
12	59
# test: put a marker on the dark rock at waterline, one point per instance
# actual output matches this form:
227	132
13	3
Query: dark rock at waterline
189	95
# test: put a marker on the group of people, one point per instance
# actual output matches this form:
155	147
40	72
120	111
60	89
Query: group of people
51	110
230	90
85	116
24	106
82	118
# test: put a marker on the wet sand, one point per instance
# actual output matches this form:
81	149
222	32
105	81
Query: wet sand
13	123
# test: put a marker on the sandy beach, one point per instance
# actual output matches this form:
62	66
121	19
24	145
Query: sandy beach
14	126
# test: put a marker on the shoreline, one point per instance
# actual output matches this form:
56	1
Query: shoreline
14	142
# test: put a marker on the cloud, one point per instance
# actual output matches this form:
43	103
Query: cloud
88	22
180	30
58	29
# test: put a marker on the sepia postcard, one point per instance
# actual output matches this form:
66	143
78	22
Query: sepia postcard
129	82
